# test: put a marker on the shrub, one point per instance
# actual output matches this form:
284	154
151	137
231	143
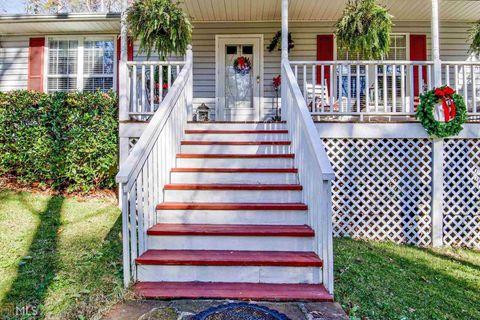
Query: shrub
66	141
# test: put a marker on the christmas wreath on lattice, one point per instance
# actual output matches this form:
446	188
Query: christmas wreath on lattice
442	112
242	65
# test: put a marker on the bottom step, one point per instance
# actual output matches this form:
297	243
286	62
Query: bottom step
238	291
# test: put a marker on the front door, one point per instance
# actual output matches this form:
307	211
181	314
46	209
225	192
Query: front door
239	78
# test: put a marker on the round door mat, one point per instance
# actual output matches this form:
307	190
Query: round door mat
240	311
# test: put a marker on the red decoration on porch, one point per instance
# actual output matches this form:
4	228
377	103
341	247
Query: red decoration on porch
242	65
277	82
448	105
442	112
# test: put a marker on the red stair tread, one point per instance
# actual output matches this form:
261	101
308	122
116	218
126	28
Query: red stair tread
230	206
222	155
239	291
235	131
229	258
237	170
237	122
182	186
231	230
235	143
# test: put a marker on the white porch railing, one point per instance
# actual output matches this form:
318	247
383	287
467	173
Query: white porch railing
381	88
314	170
148	83
363	87
464	77
147	168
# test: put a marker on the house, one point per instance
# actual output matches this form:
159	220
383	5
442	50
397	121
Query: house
245	207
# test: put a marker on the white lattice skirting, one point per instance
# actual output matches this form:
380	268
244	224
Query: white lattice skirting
383	190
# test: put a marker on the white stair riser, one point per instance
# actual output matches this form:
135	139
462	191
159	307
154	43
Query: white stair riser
234	177
236	126
249	274
236	149
249	243
237	137
243	196
280	217
235	163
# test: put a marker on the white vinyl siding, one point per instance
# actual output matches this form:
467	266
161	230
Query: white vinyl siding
13	63
81	64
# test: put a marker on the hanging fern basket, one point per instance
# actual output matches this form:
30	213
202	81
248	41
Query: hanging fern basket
160	26
364	29
475	38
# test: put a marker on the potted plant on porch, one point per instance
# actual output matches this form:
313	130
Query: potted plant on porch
162	28
365	28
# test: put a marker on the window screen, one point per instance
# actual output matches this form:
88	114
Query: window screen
62	65
98	65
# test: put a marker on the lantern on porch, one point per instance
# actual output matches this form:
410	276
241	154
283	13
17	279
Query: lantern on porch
202	112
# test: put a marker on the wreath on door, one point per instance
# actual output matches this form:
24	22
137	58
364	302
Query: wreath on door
442	112
242	65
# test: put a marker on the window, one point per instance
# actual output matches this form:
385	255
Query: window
62	65
81	64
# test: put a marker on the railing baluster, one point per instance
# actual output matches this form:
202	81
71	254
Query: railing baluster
134	93
403	89
169	76
305	92
340	87
465	85
420	80
152	88
314	88
376	86
457	85
160	90
367	90
133	230
394	88
349	88
359	89
474	89
322	87
385	89
412	90
142	91
331	93
429	77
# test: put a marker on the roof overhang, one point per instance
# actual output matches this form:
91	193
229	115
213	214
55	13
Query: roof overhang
60	24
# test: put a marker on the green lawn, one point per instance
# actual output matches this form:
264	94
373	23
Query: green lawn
63	256
59	255
387	281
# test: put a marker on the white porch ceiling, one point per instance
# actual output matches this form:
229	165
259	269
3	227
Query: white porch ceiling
318	10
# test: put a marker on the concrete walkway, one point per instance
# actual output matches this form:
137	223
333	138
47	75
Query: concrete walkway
185	309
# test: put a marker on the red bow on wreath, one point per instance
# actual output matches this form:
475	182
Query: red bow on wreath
241	63
449	109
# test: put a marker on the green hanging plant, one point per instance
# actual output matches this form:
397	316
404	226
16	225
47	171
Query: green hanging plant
365	28
161	27
475	38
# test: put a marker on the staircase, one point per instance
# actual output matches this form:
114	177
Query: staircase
232	223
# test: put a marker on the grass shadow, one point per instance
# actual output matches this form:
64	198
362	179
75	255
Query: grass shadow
37	269
452	258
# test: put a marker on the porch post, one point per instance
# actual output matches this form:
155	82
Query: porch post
437	64
437	180
284	51
122	67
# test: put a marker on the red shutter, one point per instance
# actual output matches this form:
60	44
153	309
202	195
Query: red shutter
129	53
418	52
35	64
325	52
